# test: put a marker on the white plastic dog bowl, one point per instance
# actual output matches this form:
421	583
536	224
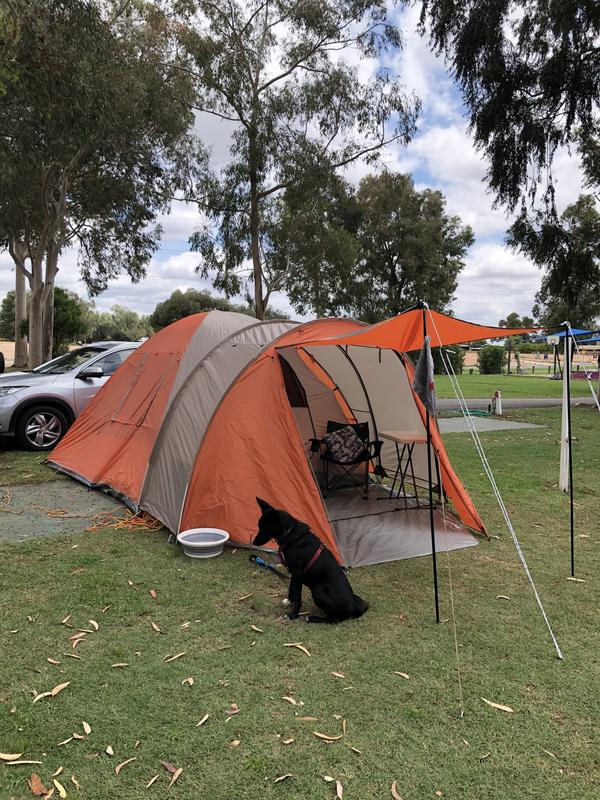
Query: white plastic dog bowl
202	542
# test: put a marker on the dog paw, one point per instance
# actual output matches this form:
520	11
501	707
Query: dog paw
286	602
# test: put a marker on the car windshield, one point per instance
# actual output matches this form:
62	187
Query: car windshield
69	361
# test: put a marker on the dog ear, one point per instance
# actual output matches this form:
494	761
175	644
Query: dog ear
263	504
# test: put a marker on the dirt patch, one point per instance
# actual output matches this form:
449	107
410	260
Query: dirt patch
30	511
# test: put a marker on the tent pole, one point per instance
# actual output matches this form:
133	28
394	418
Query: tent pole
429	481
567	378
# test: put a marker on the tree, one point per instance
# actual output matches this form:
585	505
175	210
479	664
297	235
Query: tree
70	322
95	143
375	253
568	249
277	71
120	324
529	71
182	304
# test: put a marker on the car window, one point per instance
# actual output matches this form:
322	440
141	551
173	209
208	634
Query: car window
111	362
62	364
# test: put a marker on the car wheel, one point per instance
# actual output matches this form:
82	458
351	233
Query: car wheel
41	428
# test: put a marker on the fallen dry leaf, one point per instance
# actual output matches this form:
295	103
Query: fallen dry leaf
176	775
120	766
168	658
502	597
109	751
327	738
57	772
153	780
298	646
485	755
187	682
130	583
78	635
394	792
287	741
59	788
75	783
87	728
549	753
36	785
90	756
283	777
202	721
65	741
78	736
234	743
10	756
72	655
94	624
168	766
105	609
356	750
17	763
136	744
404	675
245	597
499	706
576	580
65	620
155	627
338	674
59	688
53	661
339	790
50	793
233	709
308	719
120	664
292	700
153	594
439	793
258	630
41	696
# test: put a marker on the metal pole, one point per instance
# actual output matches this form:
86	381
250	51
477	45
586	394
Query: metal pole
567	378
430	483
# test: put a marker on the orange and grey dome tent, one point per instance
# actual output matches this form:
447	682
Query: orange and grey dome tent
218	408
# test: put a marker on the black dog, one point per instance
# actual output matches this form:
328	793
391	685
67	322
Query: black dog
310	563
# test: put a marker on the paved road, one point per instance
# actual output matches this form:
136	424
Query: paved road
513	402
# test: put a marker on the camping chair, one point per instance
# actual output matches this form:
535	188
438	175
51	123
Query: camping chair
337	469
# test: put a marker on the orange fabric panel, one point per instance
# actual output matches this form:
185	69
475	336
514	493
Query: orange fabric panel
450	480
252	448
111	442
405	332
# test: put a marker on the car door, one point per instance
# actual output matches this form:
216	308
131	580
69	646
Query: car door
85	388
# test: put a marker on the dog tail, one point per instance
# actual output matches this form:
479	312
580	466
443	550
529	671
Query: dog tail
360	606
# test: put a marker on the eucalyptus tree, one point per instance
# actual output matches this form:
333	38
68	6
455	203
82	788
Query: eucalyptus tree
94	142
305	92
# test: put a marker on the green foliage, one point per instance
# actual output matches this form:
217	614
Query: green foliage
95	135
120	324
529	72
491	359
70	321
302	111
456	356
568	249
370	253
192	301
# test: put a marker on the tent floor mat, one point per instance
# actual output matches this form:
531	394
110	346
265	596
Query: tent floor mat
380	529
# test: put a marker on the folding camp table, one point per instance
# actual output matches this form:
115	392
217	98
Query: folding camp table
405	442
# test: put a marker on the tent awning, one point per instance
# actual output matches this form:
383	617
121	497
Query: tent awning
405	332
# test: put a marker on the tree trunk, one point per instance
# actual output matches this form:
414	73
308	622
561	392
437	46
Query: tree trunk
48	303
18	252
35	326
259	305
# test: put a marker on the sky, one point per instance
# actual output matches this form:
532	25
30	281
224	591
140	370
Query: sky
495	281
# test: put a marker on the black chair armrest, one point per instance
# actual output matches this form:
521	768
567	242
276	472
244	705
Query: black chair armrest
376	448
315	445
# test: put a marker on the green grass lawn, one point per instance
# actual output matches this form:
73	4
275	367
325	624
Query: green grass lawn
408	731
512	386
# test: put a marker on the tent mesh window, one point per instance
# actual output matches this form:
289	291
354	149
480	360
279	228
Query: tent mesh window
293	387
